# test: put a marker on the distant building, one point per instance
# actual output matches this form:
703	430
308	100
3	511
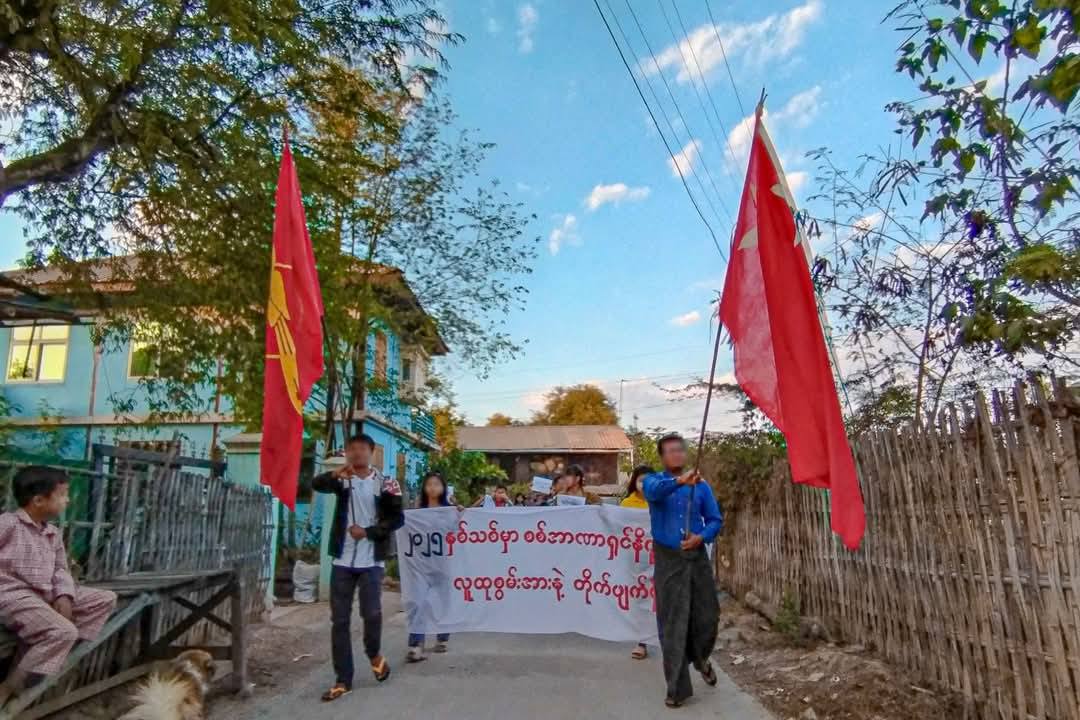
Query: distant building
63	390
527	450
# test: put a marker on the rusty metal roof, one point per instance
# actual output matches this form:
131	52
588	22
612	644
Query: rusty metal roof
544	438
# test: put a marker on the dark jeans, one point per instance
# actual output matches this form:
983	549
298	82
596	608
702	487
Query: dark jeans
345	584
416	639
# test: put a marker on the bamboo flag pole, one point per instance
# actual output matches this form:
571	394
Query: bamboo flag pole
712	372
704	419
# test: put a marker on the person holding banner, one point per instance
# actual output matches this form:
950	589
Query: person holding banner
369	510
684	519
433	493
635	498
573	483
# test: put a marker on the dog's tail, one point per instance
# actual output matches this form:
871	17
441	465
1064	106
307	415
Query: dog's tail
158	699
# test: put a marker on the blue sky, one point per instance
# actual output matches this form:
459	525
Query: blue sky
622	287
622	290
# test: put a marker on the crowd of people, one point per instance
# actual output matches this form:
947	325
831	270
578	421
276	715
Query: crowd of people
683	521
49	613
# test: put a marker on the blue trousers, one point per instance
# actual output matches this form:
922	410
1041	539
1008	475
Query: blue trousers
416	639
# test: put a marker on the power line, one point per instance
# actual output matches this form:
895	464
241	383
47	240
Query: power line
723	54
721	142
708	92
498	394
656	124
678	110
608	360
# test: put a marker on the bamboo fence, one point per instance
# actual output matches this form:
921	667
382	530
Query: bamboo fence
967	576
157	519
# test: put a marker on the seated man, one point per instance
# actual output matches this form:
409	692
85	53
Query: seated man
39	601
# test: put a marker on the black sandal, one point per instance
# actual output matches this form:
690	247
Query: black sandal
672	702
336	693
708	674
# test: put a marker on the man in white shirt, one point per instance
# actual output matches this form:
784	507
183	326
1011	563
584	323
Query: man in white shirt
369	510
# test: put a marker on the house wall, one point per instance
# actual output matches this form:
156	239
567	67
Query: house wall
96	388
600	468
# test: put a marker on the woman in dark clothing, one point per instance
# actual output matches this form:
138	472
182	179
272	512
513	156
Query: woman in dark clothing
433	493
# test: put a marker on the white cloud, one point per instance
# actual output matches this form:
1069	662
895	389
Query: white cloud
564	232
528	17
798	111
757	43
686	319
615	193
683	161
739	140
493	26
801	109
868	223
796	180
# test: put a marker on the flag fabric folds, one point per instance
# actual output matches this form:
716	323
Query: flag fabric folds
294	351
770	309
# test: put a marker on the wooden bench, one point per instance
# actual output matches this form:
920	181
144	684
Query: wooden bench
142	596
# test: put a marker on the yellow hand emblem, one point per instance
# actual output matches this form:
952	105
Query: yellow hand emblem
277	317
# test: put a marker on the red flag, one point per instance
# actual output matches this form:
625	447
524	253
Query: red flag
294	352
781	362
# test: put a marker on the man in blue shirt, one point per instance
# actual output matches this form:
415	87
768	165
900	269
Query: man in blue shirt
685	517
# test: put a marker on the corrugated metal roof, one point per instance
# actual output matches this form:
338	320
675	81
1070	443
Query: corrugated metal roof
544	438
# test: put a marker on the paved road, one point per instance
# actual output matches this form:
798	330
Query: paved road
505	677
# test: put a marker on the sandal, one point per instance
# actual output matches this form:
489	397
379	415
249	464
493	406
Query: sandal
336	693
672	702
640	652
708	674
380	668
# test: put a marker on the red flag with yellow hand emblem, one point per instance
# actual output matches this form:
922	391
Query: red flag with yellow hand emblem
294	351
781	361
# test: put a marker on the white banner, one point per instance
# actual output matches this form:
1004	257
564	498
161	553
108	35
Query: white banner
529	570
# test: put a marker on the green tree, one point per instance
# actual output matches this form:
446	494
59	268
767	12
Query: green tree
392	192
958	261
419	204
500	420
577	405
469	472
109	97
644	449
447	421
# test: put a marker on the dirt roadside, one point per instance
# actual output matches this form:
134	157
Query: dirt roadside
282	652
819	680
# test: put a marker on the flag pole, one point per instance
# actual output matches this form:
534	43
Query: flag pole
705	418
712	376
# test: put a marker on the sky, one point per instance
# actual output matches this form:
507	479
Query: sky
622	290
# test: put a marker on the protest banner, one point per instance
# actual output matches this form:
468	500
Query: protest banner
584	569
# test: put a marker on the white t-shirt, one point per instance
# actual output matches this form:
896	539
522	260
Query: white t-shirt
358	554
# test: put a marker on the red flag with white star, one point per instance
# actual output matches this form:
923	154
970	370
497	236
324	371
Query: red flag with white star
781	361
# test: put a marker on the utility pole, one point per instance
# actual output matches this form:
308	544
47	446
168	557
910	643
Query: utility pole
621	382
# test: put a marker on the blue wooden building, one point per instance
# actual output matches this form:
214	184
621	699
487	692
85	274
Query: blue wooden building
62	392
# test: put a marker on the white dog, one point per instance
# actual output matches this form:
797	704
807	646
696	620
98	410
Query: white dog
178	693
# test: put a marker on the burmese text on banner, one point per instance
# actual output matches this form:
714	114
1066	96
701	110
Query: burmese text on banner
581	569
